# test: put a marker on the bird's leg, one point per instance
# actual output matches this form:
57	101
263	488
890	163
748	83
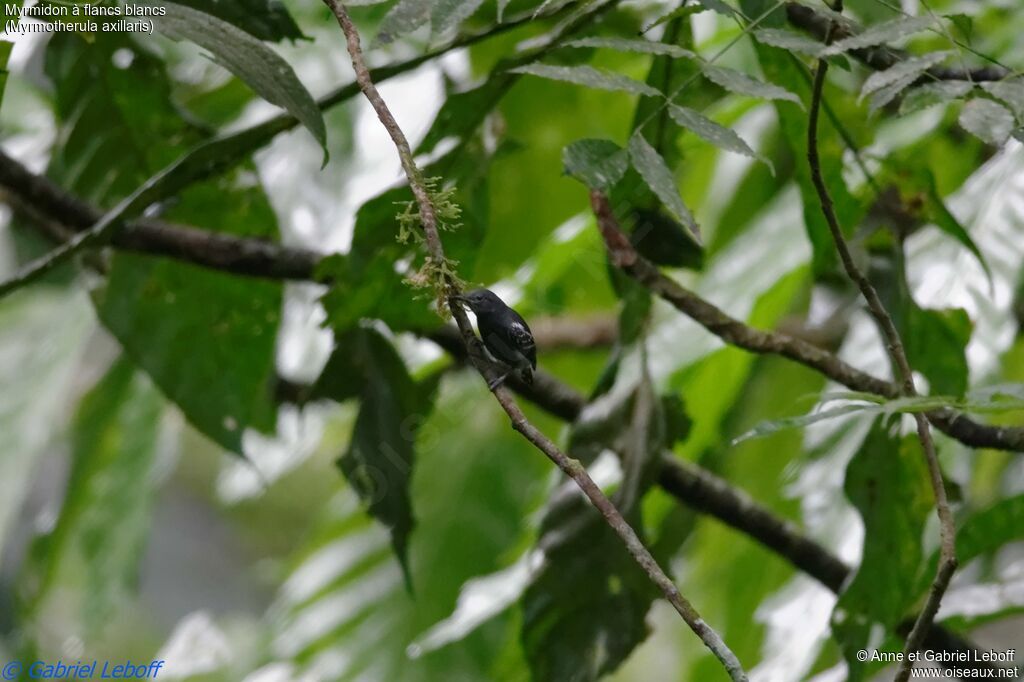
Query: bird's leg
494	383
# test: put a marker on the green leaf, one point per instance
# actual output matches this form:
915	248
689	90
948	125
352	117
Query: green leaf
262	69
215	360
888	484
38	370
885	32
930	94
635	314
598	164
658	176
788	40
448	14
586	610
1010	92
681	12
886	85
634	45
662	239
708	130
948	223
742	84
463	112
108	118
657	235
987	120
5	55
779	65
380	457
767	428
590	77
405	17
104	520
264	19
936	343
988	530
720	7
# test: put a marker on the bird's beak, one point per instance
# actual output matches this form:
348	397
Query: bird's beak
460	299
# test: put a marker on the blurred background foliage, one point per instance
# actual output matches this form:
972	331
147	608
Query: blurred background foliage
271	481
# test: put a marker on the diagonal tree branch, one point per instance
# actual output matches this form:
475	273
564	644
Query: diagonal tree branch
569	466
894	346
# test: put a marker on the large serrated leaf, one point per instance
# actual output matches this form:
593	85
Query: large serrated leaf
886	85
742	84
788	40
448	14
262	69
590	77
598	164
405	17
878	34
989	121
658	176
1011	92
716	134
635	45
929	94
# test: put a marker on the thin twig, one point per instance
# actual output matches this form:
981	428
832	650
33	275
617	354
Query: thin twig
894	345
569	466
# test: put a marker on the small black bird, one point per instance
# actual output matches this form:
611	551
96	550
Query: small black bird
505	334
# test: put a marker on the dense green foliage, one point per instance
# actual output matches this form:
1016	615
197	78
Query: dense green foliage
354	503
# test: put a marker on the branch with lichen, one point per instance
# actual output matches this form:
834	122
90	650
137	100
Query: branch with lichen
428	219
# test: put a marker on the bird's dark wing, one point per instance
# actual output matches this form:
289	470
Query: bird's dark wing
523	338
507	337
